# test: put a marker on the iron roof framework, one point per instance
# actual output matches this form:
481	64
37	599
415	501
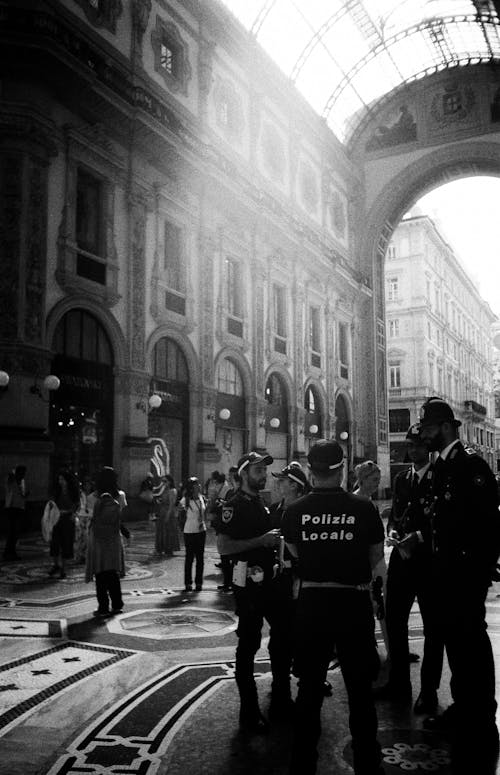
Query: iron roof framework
345	56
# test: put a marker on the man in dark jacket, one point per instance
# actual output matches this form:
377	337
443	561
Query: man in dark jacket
408	576
465	546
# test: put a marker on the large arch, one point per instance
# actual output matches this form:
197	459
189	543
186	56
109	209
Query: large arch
193	362
241	362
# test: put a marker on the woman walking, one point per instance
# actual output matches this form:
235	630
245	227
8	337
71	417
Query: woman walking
67	500
192	517
105	557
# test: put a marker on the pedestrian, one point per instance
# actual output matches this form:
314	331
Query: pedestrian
105	555
338	540
465	549
88	498
15	509
146	494
67	500
192	511
216	491
225	564
167	532
408	577
247	537
368	476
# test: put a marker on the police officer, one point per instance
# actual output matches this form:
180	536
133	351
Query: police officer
409	532
246	535
338	539
465	545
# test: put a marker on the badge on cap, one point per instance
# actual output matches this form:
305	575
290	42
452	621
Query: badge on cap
478	480
227	514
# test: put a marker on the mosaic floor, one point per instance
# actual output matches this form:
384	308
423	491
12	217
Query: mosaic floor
152	690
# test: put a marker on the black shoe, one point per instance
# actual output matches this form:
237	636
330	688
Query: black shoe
54	570
102	614
254	724
224	588
392	693
188	588
426	704
413	657
116	611
198	587
444	722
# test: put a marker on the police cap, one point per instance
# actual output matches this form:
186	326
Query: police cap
293	472
325	455
251	458
436	411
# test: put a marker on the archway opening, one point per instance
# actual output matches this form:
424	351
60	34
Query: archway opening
231	434
81	411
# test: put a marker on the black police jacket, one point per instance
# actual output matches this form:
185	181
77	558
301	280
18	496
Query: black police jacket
412	505
465	519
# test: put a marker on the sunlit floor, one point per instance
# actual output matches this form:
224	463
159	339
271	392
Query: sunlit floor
152	690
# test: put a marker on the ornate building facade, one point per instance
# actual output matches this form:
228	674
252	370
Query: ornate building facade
440	338
181	249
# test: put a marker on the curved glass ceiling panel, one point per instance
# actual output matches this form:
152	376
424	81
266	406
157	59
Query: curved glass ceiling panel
343	55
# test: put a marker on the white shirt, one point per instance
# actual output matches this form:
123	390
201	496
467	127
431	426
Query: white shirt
195	515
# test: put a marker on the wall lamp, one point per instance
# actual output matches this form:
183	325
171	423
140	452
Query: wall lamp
274	422
50	383
4	382
224	414
344	436
154	402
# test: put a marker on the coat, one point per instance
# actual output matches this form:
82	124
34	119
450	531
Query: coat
105	548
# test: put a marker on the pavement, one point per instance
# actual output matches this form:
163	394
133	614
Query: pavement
152	690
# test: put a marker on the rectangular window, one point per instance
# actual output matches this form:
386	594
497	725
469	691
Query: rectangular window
314	333
175	303
382	428
344	350
392	294
169	56
234	288
399	420
173	258
89	214
395	375
393	328
391	251
279	310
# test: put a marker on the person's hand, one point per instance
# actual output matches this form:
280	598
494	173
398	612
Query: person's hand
271	540
407	546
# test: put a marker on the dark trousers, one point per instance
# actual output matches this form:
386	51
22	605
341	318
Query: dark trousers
470	657
108	588
406	580
195	549
13	518
227	570
328	618
254	603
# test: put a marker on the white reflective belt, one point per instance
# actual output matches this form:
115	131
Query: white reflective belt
333	585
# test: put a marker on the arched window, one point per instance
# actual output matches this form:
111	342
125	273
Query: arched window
310	401
229	379
169	362
275	391
313	423
80	335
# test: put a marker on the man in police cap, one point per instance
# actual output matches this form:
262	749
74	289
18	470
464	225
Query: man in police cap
338	539
409	532
465	546
247	536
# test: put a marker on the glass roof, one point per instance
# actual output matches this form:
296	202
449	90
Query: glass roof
344	55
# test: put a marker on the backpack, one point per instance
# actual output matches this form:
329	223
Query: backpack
106	518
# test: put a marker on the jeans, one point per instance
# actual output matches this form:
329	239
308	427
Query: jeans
195	548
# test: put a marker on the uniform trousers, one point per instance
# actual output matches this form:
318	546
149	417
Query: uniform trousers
254	603
340	618
408	579
462	601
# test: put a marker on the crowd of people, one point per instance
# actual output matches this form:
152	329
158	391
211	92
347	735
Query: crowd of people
312	565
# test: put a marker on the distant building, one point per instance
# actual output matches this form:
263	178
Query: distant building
439	339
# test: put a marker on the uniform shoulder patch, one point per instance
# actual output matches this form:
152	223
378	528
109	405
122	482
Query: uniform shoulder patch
227	514
470	451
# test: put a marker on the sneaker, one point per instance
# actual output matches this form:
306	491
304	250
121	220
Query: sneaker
224	588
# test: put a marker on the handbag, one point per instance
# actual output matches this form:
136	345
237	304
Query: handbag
50	518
